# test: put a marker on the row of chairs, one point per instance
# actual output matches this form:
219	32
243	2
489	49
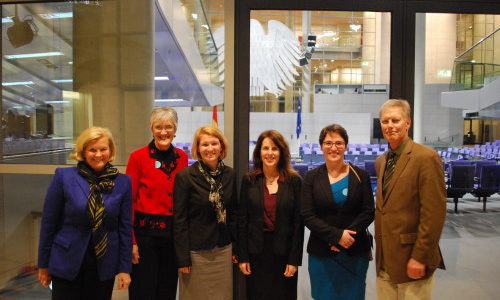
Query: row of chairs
480	178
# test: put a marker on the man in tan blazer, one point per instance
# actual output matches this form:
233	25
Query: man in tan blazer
410	210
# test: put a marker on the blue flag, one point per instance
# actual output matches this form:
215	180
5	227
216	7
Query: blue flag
298	130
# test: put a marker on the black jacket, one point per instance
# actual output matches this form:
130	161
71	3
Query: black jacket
195	221
289	229
327	220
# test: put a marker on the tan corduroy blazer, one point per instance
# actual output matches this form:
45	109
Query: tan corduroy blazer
410	218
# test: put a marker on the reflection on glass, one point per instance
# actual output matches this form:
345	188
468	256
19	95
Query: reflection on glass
341	75
37	67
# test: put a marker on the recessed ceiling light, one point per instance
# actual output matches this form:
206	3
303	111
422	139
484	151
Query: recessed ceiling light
162	78
57	102
169	100
63	15
31	55
17	83
62	80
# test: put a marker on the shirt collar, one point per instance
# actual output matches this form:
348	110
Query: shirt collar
400	148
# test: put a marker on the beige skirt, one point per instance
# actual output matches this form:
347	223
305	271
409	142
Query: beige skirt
211	276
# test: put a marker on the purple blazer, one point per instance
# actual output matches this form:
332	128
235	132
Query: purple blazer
65	229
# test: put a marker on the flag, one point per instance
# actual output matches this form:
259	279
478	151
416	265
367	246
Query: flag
215	123
298	130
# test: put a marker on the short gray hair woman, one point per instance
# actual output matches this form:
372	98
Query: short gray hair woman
153	169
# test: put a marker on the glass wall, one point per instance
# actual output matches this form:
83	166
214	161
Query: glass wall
457	112
70	65
457	70
334	65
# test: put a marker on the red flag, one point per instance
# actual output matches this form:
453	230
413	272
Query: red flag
215	123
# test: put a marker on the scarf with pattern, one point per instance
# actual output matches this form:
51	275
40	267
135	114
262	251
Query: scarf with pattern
99	183
214	178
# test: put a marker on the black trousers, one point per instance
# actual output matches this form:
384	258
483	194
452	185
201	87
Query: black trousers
267	281
155	276
86	285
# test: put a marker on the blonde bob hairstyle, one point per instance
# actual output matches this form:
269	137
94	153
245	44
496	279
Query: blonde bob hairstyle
163	114
89	135
208	130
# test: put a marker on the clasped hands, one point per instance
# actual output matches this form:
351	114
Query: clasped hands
345	241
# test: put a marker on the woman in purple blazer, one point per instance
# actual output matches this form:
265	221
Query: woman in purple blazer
86	230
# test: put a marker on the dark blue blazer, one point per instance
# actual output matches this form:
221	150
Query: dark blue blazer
65	229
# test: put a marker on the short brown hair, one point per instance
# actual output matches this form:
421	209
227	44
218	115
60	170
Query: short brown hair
209	130
405	106
331	129
89	135
284	167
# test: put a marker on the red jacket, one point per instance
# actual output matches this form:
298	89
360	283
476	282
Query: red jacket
152	189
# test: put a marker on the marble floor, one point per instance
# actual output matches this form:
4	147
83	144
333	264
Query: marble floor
470	244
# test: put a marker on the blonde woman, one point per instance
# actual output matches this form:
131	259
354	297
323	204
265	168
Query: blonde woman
204	220
86	230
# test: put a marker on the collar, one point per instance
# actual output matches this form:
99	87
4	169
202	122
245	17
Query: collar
400	148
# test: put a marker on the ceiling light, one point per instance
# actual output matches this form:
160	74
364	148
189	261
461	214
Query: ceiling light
195	16
57	15
205	26
355	27
17	83
168	100
56	102
162	78
31	55
62	80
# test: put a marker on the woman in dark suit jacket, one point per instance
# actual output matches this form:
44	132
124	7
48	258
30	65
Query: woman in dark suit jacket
337	207
270	230
86	230
204	220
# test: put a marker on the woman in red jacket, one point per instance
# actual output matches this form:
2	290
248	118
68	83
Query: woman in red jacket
152	169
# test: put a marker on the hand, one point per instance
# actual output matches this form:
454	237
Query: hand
234	258
333	248
347	240
245	268
123	281
135	254
185	270
44	276
415	269
290	271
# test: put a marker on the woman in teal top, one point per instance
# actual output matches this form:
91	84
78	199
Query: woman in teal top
337	207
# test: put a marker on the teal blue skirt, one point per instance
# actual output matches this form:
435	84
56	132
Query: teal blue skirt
340	277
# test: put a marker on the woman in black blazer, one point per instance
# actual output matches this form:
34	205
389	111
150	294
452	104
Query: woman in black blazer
205	202
270	231
337	207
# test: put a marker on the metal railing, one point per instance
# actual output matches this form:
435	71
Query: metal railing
477	65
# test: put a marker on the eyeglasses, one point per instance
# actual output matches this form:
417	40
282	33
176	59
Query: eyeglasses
161	128
338	145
